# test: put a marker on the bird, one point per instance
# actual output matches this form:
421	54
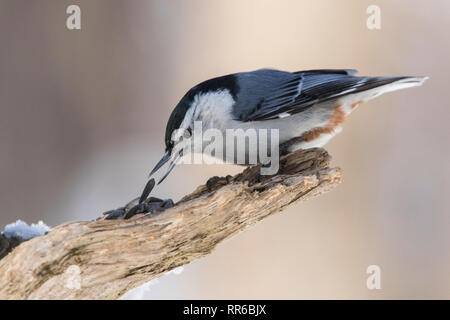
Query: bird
306	107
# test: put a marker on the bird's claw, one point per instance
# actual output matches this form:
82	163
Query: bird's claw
217	181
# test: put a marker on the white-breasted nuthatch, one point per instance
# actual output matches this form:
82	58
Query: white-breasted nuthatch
306	107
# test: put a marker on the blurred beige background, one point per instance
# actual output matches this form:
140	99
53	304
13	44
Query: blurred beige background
83	114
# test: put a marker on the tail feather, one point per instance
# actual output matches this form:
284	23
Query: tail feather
383	85
389	84
405	82
319	87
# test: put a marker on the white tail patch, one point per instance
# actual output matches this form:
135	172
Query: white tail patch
402	84
351	101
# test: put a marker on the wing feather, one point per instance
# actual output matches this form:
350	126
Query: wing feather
291	95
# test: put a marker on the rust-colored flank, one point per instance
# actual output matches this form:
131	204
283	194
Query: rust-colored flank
357	103
337	117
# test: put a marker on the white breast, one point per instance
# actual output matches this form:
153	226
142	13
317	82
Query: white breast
214	109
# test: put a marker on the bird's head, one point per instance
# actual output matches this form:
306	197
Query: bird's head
178	135
178	138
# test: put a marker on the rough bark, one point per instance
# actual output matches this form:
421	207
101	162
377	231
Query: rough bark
8	244
103	259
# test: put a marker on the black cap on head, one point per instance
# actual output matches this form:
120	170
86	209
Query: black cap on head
175	119
228	82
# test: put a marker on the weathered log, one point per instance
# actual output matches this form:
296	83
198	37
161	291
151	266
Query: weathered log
103	259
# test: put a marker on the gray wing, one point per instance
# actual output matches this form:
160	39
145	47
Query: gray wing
270	94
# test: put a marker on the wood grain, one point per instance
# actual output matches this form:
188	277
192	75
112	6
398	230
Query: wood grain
103	259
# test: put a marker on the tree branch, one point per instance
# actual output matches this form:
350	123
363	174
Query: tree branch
103	259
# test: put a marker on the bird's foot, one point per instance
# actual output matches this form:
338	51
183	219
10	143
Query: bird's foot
216	181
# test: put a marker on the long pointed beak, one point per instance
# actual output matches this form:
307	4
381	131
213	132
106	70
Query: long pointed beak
161	162
171	166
